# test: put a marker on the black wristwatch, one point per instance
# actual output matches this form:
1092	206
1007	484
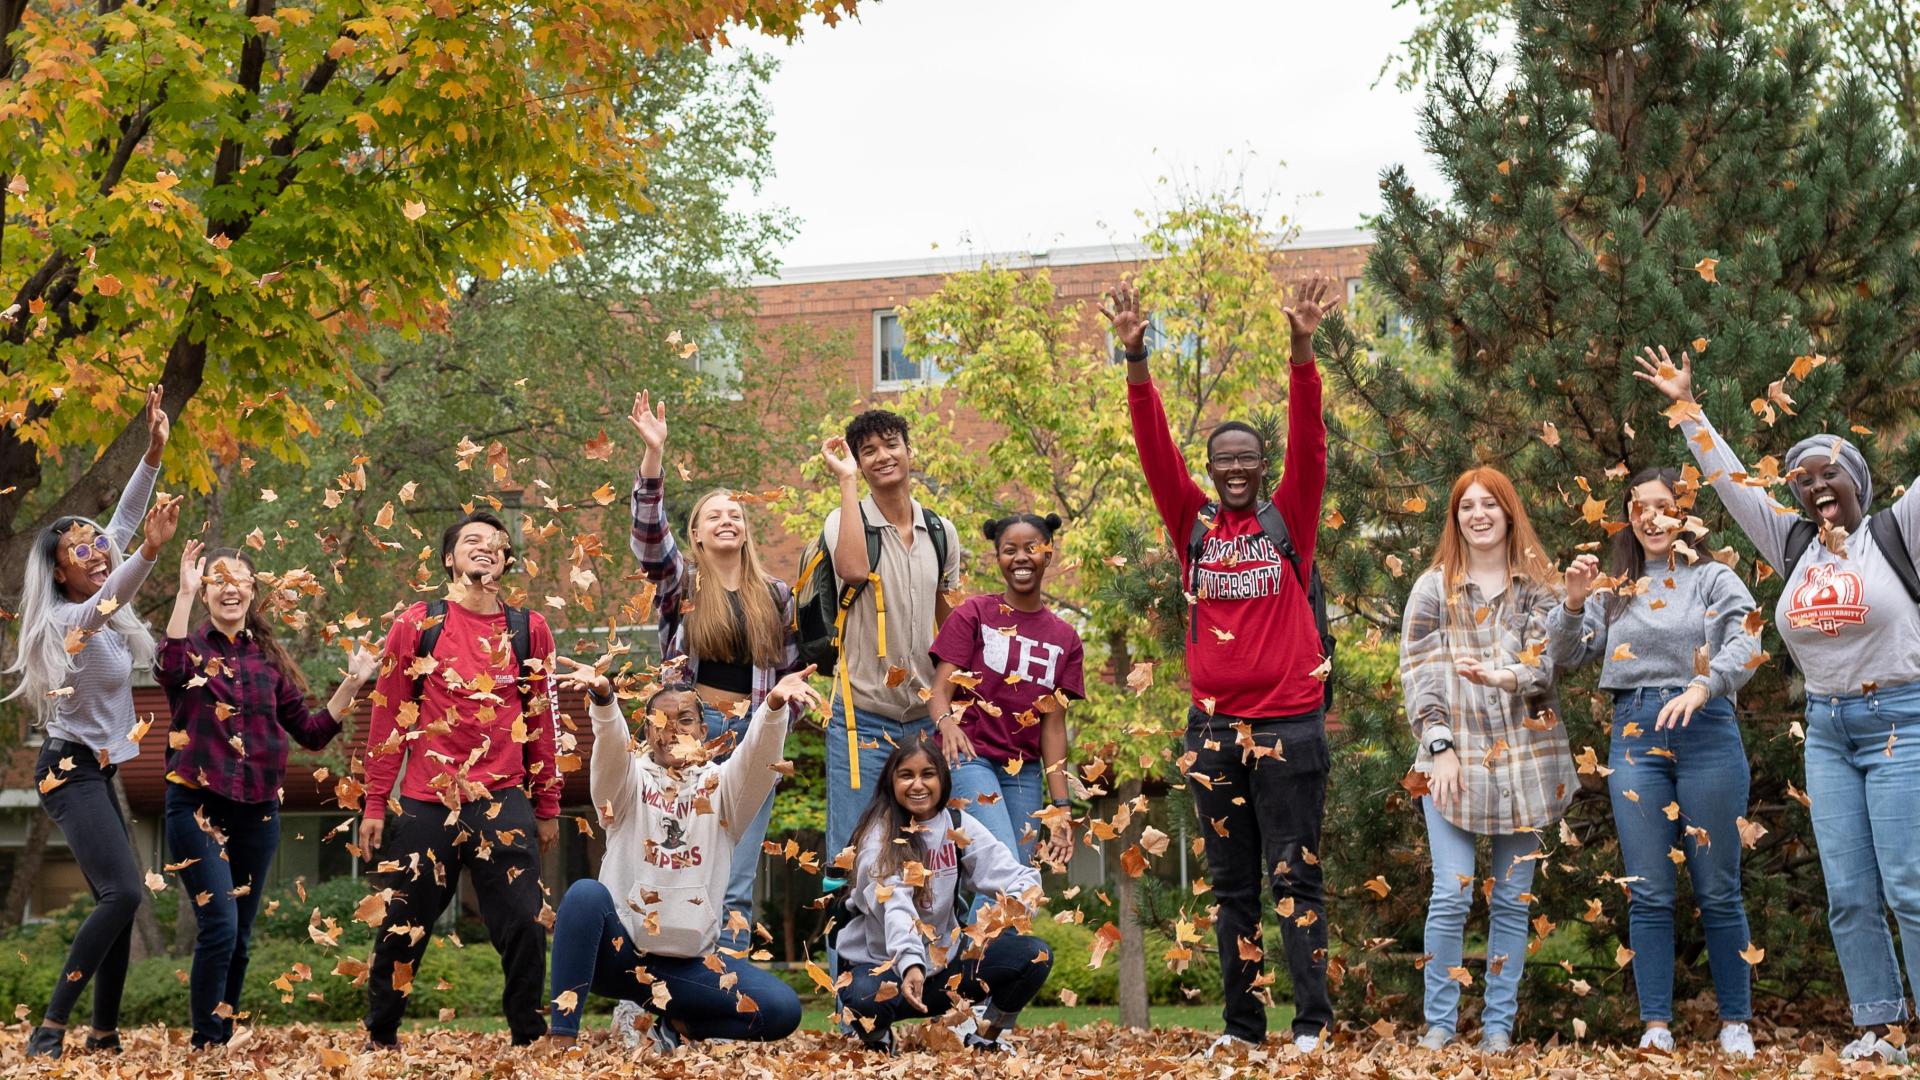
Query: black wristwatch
1068	803
1439	746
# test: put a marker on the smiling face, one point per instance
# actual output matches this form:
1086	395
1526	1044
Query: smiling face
479	552
1235	464
1483	524
1023	553
1828	492
80	564
719	524
1656	518
674	717
885	459
916	785
228	592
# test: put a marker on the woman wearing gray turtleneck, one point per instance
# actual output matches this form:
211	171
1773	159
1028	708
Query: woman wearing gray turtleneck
1671	630
1854	633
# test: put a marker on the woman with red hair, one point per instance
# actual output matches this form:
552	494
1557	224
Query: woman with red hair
1479	688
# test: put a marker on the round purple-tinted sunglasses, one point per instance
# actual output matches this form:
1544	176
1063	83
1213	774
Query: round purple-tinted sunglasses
84	550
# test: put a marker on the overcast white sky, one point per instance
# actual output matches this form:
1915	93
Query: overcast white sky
999	125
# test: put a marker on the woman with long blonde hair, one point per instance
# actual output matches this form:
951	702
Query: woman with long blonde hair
721	616
1479	691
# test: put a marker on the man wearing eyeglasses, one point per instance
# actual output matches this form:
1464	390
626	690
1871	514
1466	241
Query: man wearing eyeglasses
1257	727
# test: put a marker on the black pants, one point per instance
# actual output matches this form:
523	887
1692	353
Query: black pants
1009	973
84	807
1269	832
506	877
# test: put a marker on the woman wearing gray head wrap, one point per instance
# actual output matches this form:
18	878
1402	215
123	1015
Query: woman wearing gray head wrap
1854	632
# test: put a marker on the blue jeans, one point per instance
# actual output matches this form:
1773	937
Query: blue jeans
746	854
1447	910
224	924
1004	977
877	735
1866	821
1011	800
587	959
1707	775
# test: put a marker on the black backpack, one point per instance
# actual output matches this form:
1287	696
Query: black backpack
1887	538
821	599
1275	528
519	631
839	906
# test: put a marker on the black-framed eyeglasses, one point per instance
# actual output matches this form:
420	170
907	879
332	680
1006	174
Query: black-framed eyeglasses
1237	461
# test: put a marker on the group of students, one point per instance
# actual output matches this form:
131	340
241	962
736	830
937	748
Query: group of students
946	752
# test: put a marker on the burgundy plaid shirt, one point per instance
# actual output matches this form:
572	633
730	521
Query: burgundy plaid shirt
242	756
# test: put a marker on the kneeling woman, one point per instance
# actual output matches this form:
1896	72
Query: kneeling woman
645	929
903	942
236	699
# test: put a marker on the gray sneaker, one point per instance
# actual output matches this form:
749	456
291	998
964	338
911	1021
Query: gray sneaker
1494	1041
1435	1039
624	1014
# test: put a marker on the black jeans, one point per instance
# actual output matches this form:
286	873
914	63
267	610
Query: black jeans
1269	832
503	856
89	817
1009	972
224	922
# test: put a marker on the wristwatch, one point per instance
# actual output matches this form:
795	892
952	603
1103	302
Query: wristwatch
1439	746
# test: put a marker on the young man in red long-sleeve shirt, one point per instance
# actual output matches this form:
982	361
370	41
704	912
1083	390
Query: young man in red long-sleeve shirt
476	735
1252	655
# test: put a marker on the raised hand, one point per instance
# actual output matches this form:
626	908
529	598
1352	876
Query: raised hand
162	520
1581	574
362	665
1659	369
582	677
1316	300
1123	314
649	422
794	690
158	426
839	461
193	568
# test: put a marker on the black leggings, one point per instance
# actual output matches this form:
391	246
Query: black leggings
84	807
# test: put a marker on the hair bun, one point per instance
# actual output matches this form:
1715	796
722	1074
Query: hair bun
990	528
1053	523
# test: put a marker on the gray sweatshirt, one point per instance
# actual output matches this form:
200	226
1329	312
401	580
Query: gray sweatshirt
1847	622
99	712
888	925
1683	609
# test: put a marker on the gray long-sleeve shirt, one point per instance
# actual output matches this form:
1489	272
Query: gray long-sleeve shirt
1847	621
99	712
1683	610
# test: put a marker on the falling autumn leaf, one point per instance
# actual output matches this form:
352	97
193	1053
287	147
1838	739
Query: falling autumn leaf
1706	269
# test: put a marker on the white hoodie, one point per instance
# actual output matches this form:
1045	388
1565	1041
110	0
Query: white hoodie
670	841
896	928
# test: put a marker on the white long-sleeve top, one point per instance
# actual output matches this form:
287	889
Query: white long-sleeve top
671	836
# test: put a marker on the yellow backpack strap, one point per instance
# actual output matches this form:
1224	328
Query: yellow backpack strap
879	615
844	684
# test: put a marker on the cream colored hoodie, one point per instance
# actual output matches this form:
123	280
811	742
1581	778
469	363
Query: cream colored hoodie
670	841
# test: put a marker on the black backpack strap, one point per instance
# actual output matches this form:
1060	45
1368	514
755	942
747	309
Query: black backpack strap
429	637
520	631
1275	526
1892	545
1799	538
937	532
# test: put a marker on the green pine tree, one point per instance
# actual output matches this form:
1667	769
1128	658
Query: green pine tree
1622	173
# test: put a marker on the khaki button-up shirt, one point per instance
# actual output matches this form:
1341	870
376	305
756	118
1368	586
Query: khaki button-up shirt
911	583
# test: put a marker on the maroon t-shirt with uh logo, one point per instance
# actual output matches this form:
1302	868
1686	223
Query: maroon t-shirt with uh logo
1019	657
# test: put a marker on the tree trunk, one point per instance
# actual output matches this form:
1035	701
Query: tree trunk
1133	938
26	870
146	929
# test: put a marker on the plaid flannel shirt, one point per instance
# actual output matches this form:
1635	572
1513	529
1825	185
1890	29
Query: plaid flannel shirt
244	756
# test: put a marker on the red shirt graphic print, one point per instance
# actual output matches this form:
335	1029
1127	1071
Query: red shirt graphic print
1829	598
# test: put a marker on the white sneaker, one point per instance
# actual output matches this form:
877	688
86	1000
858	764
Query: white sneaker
970	1025
1736	1041
624	1014
1871	1045
1661	1039
1230	1044
1436	1038
1306	1043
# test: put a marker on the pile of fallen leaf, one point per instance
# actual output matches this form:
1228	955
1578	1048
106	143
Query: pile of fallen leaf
1101	1050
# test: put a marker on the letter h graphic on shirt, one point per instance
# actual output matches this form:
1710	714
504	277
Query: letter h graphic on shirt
1039	661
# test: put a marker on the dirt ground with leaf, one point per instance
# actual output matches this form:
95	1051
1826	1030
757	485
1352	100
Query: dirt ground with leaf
1102	1050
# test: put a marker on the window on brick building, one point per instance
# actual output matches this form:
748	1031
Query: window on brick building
718	361
893	368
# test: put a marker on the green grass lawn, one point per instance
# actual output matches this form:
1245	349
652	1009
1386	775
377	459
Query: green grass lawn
818	1017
